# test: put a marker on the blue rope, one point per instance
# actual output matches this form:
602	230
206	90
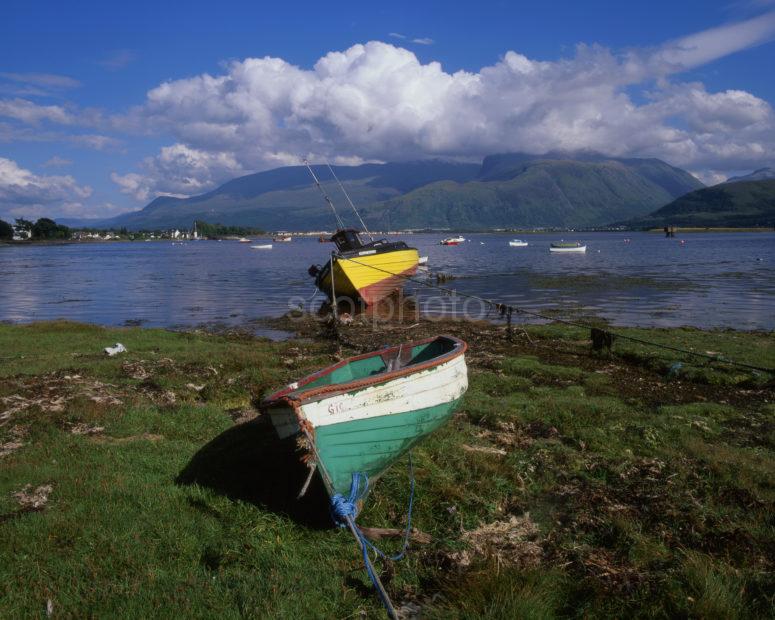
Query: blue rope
342	508
407	531
344	512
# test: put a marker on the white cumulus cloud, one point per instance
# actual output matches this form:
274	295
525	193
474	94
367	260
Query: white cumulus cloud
178	171
378	102
23	193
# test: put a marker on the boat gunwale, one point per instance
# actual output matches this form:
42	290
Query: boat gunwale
286	394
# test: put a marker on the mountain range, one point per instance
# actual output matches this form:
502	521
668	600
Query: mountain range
762	174
555	190
504	191
729	204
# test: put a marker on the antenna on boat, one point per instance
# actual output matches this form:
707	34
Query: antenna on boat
346	195
322	191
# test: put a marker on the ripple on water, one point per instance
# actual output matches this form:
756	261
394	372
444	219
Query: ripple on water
714	280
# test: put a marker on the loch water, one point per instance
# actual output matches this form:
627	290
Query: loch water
707	280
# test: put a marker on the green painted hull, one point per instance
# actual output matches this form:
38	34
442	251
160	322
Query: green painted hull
371	445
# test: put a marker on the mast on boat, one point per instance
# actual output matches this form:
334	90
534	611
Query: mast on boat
325	196
346	195
331	204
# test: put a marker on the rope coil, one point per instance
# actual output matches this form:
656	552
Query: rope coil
342	508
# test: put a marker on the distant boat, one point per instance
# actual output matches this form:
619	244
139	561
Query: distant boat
361	414
567	246
517	243
265	246
423	260
452	240
243	240
282	239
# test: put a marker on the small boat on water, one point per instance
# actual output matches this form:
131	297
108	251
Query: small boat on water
452	241
282	239
567	246
517	243
243	240
362	414
423	260
263	246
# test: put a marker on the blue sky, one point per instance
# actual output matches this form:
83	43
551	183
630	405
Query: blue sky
104	106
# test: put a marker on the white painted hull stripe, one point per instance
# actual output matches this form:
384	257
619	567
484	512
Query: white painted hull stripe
428	388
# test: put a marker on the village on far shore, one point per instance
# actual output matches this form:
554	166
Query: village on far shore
48	230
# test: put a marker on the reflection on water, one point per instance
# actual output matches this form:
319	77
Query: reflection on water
710	280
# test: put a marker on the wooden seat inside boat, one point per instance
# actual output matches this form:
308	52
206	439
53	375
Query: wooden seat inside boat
397	359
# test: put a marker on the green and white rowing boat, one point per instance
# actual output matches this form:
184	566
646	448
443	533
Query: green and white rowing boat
361	414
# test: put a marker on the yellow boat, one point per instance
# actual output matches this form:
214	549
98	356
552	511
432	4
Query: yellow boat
365	271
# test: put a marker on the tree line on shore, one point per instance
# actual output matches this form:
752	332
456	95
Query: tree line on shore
46	228
43	228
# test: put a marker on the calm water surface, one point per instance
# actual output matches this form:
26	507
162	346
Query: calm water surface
710	280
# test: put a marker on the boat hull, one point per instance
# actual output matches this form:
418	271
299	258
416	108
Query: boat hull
367	428
371	445
371	276
582	248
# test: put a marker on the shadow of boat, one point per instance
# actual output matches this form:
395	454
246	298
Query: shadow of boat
249	463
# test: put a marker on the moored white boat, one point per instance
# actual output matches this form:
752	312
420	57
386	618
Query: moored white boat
517	243
263	246
452	240
243	240
567	247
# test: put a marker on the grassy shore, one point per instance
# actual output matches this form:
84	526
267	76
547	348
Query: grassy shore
570	484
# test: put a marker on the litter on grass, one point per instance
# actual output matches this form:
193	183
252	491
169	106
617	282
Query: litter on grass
115	349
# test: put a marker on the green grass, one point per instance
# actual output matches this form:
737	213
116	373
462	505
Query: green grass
653	495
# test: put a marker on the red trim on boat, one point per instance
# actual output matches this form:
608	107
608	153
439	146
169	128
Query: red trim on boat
284	395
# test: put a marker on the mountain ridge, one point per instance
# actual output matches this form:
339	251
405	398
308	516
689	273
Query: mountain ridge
762	174
504	190
736	204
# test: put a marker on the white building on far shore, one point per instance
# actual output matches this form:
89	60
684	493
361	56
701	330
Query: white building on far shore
21	234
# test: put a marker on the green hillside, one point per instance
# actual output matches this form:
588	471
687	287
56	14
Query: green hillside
539	192
744	203
284	198
509	190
